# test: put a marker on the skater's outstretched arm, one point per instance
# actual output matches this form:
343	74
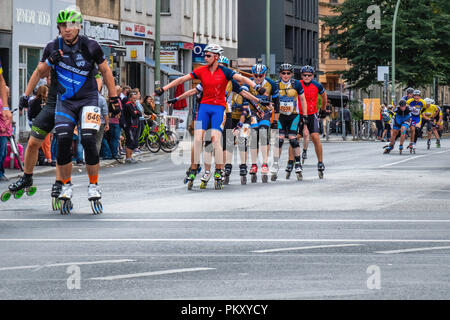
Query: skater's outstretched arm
172	84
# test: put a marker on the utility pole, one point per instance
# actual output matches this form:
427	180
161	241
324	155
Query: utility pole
393	52
157	51
268	36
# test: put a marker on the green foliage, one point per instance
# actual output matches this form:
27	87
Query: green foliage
422	40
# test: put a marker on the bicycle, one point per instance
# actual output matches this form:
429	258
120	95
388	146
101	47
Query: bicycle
15	154
167	139
149	138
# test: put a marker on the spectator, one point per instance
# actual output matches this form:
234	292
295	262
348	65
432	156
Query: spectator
131	116
124	94
114	127
141	118
34	108
347	120
5	132
327	119
379	123
104	126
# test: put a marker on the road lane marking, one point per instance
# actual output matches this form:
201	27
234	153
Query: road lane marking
219	240
130	171
63	219
65	264
306	248
413	250
149	274
412	158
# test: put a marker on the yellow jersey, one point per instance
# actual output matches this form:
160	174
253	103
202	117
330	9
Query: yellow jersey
430	110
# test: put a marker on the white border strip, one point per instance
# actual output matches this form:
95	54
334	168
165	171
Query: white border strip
65	264
221	240
413	250
64	219
311	247
148	274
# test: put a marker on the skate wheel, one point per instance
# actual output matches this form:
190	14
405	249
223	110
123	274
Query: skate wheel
5	196
243	180
299	176
19	194
303	160
190	184
288	175
56	204
320	174
96	206
218	185
31	191
273	178
203	185
186	180
254	178
227	180
264	178
65	206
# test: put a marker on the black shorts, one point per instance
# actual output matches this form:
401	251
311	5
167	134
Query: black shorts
44	123
68	113
313	124
131	138
288	124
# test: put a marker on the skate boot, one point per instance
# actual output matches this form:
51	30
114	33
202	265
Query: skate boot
428	144
191	177
218	179
56	191
400	148
414	148
243	173
438	143
321	169
205	178
253	172
289	168
228	168
410	147
65	198
94	196
388	149
199	169
304	156
274	171
265	173
18	188
298	171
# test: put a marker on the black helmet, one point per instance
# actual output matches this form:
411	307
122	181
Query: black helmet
286	67
402	103
409	90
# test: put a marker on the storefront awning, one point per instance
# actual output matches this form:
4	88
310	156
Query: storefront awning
165	69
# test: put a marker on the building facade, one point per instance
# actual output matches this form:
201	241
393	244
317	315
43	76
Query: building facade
6	37
294	31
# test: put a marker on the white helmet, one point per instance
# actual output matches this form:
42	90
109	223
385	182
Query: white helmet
432	101
214	48
428	101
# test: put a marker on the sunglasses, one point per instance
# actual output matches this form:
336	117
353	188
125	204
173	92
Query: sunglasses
259	76
209	55
286	73
307	75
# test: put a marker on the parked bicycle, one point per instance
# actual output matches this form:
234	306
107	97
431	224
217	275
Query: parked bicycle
159	137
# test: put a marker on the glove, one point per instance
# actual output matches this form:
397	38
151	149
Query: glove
23	102
261	90
172	101
159	91
274	124
305	120
55	57
264	102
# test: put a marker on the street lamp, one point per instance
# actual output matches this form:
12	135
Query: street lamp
393	51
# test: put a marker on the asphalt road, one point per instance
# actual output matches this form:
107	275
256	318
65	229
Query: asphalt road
376	227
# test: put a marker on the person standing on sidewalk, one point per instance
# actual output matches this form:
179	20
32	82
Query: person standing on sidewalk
115	113
131	116
104	117
5	123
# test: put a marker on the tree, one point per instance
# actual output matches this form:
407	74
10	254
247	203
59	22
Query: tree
422	40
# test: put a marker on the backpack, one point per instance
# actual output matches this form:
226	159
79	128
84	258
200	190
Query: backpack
386	117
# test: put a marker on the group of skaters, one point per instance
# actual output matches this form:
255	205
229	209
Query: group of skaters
251	112
411	116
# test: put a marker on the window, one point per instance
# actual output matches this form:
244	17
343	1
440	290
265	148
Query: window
149	7
139	6
207	21
165	6
334	1
213	16
234	20
289	37
303	3
333	56
221	20
297	9
228	15
199	17
127	5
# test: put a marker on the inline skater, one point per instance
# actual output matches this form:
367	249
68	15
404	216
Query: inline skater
287	118
401	122
263	113
416	105
75	59
212	108
409	94
312	90
429	114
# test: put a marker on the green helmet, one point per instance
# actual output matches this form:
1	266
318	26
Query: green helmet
69	15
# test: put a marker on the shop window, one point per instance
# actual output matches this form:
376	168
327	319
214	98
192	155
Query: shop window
139	6
149	7
165	6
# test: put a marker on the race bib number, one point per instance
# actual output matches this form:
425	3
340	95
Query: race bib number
91	118
286	107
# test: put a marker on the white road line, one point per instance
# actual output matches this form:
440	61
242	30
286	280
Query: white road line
412	158
62	219
221	240
310	247
129	171
65	264
413	250
148	274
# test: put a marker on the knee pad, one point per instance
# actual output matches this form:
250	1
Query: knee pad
89	142
294	143
65	151
280	142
